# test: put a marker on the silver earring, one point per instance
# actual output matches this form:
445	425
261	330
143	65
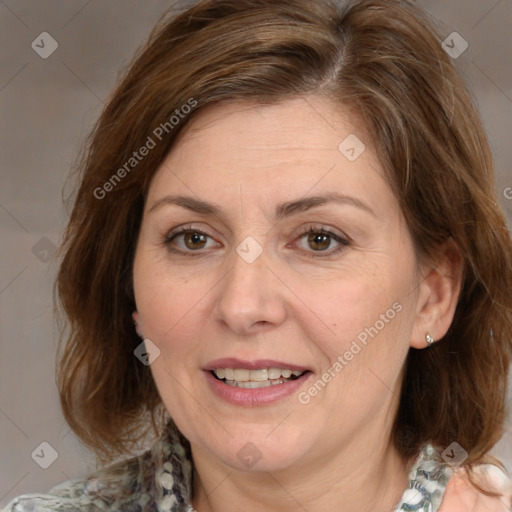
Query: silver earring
429	339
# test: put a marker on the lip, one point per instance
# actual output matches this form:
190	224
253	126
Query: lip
233	362
244	397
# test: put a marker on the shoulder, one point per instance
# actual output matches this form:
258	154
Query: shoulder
157	479
462	496
117	487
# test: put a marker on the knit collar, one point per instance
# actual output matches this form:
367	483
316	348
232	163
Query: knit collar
173	472
172	460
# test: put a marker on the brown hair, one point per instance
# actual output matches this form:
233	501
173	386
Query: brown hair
383	60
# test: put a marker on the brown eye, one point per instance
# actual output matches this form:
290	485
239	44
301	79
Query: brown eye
319	241
194	240
189	241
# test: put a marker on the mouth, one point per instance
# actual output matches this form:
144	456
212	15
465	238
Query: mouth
254	382
256	378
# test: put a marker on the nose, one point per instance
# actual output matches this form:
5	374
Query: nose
250	297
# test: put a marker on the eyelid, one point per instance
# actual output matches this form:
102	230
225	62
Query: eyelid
323	228
340	238
181	230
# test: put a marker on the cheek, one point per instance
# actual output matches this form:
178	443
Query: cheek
167	301
365	319
363	359
341	308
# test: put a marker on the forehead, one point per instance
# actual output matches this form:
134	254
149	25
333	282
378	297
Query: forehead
302	124
285	149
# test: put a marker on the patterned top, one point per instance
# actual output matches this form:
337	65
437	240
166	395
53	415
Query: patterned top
160	480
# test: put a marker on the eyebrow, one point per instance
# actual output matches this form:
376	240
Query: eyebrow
306	203
282	210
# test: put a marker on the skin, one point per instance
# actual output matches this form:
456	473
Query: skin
461	495
294	303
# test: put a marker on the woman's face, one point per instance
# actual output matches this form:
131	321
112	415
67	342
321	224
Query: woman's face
266	248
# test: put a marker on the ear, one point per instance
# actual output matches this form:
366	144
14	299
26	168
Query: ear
138	328
438	295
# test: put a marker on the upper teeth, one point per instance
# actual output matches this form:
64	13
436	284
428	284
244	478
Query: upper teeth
241	375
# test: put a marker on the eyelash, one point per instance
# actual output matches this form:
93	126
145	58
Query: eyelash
343	242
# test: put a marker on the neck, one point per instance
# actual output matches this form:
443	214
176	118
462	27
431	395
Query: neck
361	477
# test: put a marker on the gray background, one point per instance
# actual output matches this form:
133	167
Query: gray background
47	107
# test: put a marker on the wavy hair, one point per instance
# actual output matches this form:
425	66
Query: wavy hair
381	59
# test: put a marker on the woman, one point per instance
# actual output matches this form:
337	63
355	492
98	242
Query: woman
291	203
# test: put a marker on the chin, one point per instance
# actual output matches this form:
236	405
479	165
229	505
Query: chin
258	451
